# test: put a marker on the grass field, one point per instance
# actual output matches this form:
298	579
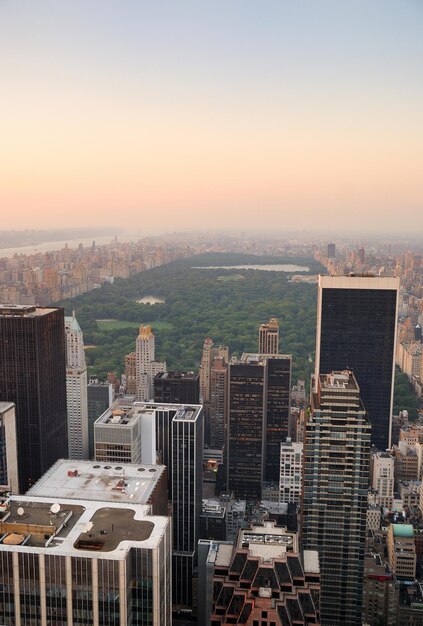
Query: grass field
227	278
119	324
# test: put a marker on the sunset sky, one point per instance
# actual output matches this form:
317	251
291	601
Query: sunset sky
191	113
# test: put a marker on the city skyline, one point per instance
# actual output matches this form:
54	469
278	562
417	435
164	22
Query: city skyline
201	114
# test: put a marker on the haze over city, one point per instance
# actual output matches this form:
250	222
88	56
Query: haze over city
171	115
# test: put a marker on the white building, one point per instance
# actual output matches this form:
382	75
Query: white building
9	475
382	478
75	561
76	390
146	365
290	471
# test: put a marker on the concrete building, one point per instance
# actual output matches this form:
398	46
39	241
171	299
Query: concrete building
222	517
402	551
79	562
409	493
380	596
210	353
268	337
290	482
131	373
33	377
382	469
262	579
9	473
219	383
100	398
334	504
410	604
356	330
91	481
146	365
76	390
373	517
406	463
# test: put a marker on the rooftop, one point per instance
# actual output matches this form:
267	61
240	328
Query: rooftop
177	376
23	310
31	523
268	541
5	406
403	530
98	481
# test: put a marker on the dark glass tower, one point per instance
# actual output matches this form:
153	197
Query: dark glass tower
33	376
356	330
177	388
258	421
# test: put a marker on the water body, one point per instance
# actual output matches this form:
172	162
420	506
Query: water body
51	246
150	300
264	268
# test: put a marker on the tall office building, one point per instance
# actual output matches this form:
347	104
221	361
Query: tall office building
290	483
33	377
100	398
76	390
336	476
187	476
177	388
131	373
258	421
356	330
268	339
218	403
210	353
331	252
9	478
146	365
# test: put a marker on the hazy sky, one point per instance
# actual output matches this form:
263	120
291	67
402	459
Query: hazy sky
192	113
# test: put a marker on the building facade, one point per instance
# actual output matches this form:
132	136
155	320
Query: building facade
291	471
99	398
356	330
334	503
146	365
177	388
33	377
268	338
9	475
76	390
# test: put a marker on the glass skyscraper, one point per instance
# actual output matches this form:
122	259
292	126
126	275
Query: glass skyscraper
356	330
33	376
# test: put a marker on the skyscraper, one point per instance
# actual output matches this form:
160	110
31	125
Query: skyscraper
33	376
146	365
76	390
268	339
356	330
187	476
258	421
9	480
218	403
210	353
100	397
336	475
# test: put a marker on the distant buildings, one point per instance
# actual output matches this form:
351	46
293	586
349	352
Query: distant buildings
76	390
210	353
356	330
219	381
402	551
336	475
268	339
33	377
146	365
382	473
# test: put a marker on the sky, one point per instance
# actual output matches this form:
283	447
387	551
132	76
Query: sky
188	114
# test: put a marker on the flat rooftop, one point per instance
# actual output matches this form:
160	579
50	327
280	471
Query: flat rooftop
5	406
94	481
254	358
181	412
338	380
77	527
23	310
177	376
268	540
